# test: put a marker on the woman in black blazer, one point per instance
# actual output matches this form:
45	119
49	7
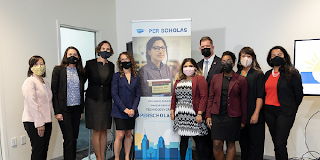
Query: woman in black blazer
283	89
98	97
252	135
67	87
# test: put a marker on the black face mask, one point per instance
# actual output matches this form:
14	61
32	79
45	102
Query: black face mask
125	65
72	59
277	61
105	54
206	52
227	68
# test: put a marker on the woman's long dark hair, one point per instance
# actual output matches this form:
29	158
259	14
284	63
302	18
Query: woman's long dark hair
65	63
287	68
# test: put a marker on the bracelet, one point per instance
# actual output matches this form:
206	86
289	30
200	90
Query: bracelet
199	115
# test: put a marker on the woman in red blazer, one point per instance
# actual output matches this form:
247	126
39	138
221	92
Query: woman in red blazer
227	107
187	105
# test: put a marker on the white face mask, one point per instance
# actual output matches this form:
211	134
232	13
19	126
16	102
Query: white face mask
245	62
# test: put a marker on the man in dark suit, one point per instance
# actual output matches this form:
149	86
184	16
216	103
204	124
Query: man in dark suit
210	65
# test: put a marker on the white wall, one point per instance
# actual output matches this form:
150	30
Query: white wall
233	25
29	28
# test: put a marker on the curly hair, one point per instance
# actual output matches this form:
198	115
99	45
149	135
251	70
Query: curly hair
198	71
133	64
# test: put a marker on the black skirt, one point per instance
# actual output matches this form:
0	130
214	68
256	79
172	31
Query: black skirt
98	114
124	124
225	128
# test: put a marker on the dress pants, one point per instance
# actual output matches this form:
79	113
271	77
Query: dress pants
199	146
208	150
70	131
252	141
279	127
39	144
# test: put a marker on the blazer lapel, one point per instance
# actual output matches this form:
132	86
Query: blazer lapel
218	85
64	76
279	80
213	65
232	82
125	81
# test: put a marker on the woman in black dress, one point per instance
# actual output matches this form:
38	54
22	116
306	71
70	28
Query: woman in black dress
227	107
98	97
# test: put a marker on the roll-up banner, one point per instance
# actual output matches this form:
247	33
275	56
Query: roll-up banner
159	47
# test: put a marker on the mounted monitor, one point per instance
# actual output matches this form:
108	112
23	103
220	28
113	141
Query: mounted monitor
307	61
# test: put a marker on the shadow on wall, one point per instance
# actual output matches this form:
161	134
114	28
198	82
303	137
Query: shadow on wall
218	36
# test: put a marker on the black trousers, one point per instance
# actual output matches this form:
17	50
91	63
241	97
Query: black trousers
208	149
200	147
39	144
251	141
70	131
279	127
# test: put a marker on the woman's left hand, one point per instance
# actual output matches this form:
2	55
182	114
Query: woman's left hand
199	118
81	117
131	113
254	119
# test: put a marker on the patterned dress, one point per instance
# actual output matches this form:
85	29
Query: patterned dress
185	117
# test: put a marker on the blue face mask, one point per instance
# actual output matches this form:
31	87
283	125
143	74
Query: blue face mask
105	54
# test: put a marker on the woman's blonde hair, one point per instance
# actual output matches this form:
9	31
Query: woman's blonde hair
198	71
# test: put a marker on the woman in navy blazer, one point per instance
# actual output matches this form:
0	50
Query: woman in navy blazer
227	107
125	91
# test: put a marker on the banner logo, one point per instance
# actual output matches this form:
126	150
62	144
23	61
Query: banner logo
140	30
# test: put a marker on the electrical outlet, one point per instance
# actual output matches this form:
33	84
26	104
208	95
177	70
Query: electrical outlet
14	142
23	140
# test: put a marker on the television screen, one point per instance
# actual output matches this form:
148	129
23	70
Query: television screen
307	61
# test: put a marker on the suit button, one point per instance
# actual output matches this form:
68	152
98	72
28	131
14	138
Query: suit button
228	97
228	104
101	86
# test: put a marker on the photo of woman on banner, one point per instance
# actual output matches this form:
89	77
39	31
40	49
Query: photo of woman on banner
156	79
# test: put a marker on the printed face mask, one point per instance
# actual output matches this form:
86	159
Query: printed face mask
72	59
126	65
245	62
38	70
105	54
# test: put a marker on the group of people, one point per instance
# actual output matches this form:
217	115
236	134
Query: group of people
211	102
214	104
66	96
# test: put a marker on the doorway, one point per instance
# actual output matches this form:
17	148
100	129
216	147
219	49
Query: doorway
84	40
